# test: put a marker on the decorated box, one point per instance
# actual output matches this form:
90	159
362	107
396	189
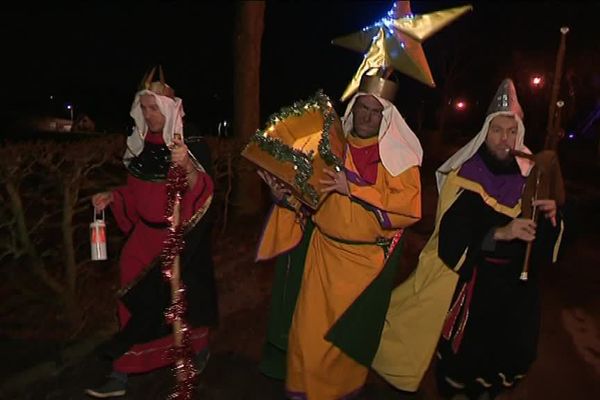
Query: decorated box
297	143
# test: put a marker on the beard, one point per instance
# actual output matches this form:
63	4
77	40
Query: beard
502	157
508	164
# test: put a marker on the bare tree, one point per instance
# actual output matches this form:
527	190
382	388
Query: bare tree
43	184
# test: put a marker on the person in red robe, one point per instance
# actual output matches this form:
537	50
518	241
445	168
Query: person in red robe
139	208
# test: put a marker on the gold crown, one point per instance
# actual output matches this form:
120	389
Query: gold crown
375	84
159	87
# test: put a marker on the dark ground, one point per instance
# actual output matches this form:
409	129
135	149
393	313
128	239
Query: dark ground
568	364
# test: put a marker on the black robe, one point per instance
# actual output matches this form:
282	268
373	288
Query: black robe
499	340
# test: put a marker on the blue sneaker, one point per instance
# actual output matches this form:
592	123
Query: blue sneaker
115	386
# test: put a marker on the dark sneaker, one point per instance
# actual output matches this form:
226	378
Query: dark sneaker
202	360
115	386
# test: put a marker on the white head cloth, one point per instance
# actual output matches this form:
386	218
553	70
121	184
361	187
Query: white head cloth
468	150
172	109
399	147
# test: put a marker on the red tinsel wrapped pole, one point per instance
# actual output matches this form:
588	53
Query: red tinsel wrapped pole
182	351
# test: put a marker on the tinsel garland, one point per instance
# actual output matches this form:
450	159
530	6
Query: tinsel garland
182	355
302	161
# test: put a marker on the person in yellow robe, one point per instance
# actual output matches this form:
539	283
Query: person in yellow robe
467	287
335	267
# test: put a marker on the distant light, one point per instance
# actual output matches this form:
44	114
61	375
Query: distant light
460	105
571	135
51	97
69	107
537	81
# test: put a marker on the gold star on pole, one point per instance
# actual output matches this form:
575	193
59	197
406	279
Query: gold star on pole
394	42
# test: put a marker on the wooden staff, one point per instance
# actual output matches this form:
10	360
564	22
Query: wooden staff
551	126
175	288
175	294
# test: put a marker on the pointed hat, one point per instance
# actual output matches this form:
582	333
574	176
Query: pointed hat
506	99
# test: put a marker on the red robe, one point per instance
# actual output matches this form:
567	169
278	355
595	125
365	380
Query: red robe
134	205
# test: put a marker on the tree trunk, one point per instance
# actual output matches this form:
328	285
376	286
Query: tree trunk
248	37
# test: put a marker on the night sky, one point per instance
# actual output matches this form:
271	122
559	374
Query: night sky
95	55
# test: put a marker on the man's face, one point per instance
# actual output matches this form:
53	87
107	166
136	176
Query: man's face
367	113
152	115
501	136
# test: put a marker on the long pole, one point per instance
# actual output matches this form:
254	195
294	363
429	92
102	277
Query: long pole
184	370
175	296
551	125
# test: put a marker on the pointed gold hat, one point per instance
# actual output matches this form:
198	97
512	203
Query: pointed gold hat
159	87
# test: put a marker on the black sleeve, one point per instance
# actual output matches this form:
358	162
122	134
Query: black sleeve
462	226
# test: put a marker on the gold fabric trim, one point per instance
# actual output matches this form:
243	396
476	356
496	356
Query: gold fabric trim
461	261
489	200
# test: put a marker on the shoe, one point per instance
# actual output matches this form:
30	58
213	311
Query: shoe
115	386
201	360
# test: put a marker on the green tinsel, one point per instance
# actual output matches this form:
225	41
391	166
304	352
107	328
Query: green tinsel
302	162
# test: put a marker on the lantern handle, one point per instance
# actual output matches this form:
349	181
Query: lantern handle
96	212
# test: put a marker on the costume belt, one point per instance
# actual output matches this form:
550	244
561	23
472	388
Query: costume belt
155	225
382	242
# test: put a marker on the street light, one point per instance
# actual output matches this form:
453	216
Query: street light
70	108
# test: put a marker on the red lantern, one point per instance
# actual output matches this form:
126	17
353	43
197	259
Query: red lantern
98	237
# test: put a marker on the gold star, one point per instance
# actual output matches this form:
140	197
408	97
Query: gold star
395	42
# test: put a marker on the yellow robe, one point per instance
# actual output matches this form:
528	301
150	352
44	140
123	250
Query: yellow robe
337	272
